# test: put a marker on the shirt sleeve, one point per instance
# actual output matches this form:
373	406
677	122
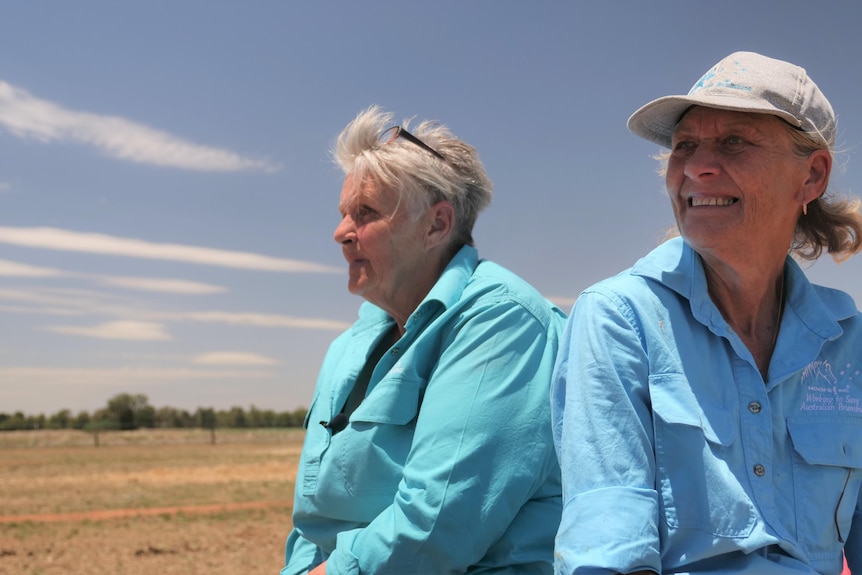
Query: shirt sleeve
603	433
481	449
301	555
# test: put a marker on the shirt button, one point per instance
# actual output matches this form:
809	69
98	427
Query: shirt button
395	351
759	470
754	407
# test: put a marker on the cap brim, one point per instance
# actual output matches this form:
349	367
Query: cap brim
657	120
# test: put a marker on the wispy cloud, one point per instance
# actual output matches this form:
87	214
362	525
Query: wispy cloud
65	240
162	285
261	320
176	286
15	269
26	116
70	302
121	330
119	375
236	358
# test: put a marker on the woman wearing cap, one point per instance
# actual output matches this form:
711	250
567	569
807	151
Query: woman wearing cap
428	447
707	403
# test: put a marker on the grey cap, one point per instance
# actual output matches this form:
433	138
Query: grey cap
744	82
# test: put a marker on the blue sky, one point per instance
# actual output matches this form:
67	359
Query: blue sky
167	198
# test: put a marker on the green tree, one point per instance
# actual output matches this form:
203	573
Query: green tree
172	417
206	417
13	422
261	417
81	421
131	411
236	417
60	420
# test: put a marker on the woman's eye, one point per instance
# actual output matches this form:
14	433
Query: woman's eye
684	146
733	140
363	212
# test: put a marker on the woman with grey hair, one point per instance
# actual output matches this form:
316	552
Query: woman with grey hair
428	447
707	402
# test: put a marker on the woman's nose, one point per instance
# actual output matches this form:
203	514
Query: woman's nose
703	161
344	231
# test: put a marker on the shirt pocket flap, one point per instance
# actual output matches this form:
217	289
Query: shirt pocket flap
827	440
675	403
393	401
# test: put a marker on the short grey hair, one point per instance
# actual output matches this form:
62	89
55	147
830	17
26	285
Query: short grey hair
419	176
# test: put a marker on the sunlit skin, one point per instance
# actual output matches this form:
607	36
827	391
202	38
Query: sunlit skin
737	189
394	259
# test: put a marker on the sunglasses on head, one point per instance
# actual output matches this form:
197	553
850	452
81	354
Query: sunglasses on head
395	132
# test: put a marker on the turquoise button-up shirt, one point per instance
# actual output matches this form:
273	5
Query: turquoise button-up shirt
448	464
678	457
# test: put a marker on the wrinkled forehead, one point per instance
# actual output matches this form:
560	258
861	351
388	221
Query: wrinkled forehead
696	117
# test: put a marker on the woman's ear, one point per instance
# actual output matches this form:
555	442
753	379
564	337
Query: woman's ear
441	217
819	168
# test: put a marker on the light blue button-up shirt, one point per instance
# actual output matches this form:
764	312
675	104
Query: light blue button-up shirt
677	456
448	464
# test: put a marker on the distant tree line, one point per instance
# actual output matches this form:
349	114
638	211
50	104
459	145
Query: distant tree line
128	412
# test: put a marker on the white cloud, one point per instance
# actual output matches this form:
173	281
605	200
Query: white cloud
41	310
163	285
176	286
68	299
117	376
123	330
56	239
66	302
233	358
263	320
29	117
15	269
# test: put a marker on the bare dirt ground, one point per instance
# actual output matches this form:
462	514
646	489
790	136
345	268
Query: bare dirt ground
236	542
156	505
140	512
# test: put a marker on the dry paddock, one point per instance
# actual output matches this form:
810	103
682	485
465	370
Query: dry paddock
154	501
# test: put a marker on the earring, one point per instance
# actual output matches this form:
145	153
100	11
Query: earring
804	209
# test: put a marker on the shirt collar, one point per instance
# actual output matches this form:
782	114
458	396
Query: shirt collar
451	283
678	267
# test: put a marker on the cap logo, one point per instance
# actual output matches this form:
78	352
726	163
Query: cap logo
709	81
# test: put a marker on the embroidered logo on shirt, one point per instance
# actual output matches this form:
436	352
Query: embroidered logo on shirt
826	392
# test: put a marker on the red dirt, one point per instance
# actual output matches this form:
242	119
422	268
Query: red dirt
119	513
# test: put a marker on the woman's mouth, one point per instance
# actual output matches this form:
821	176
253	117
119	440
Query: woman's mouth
696	201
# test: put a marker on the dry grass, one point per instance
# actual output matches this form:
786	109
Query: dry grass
56	473
77	438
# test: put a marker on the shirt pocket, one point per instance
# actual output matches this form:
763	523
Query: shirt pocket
827	475
697	448
379	437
